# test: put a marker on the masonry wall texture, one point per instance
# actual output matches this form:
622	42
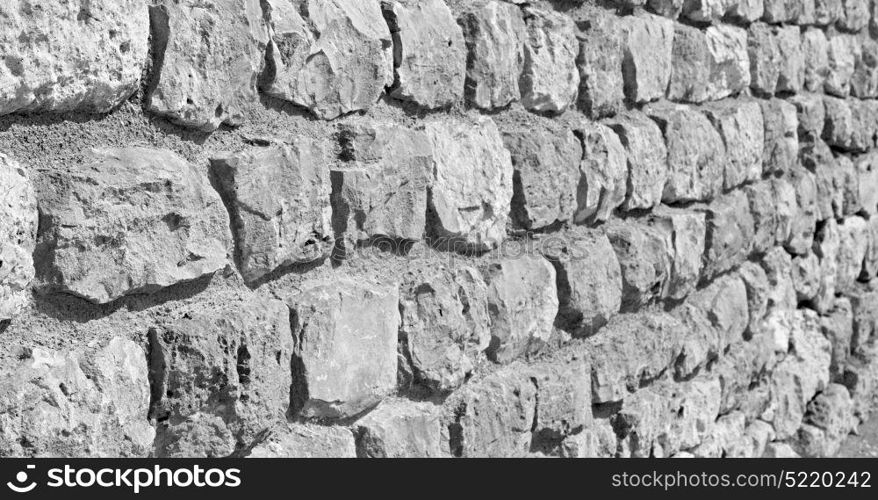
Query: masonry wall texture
437	228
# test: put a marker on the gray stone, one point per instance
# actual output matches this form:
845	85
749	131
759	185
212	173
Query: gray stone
763	208
73	403
523	301
602	87
815	48
632	348
781	135
589	280
696	153
746	10
604	173
756	284
838	327
792	60
826	12
18	232
343	323
706	11
839	125
597	441
709	65
445	324
279	202
785	209
647	59
854	238
546	158
645	254
337	60
864	81
827	243
870	264
811	115
647	158
495	33
429	52
564	399
806	276
472	189
730	232
804	222
400	429
381	191
842	52
778	11
206	78
765	63
688	230
550	80
667	8
867	178
306	441
493	417
855	15
65	57
129	221
740	124
864	114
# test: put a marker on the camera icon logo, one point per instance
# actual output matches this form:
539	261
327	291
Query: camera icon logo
21	478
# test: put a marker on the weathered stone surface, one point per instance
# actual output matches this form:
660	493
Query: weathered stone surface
763	208
400	429
864	114
494	416
345	354
495	33
73	404
688	233
206	78
741	372
564	399
604	173
786	209
801	375
865	319
804	222
631	349
131	220
708	65
792	60
602	87
730	232
838	326
778	11
337	60
445	324
648	42
221	376
854	15
807	13
870	264
667	8
647	158
806	276
781	135
778	266
854	238
306	441
842	54
18	231
756	284
828	421
381	191
864	81
839	125
278	197
645	254
827	243
815	49
596	441
429	52
589	281
861	379
696	153
811	115
867	178
546	159
740	124
63	56
745	10
523	301
550	80
765	63
471	191
707	11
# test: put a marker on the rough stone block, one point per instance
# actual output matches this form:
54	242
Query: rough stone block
306	441
130	221
708	65
429	52
343	323
604	173
647	57
62	56
854	239
400	429
495	33
546	159
550	80
765	62
472	189
696	153
815	49
601	89
740	124
792	59
647	158
220	376
688	231
842	54
523	301
781	135
864	81
18	232
730	232
207	76
645	254
445	324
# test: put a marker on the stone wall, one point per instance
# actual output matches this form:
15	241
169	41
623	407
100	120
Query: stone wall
437	228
